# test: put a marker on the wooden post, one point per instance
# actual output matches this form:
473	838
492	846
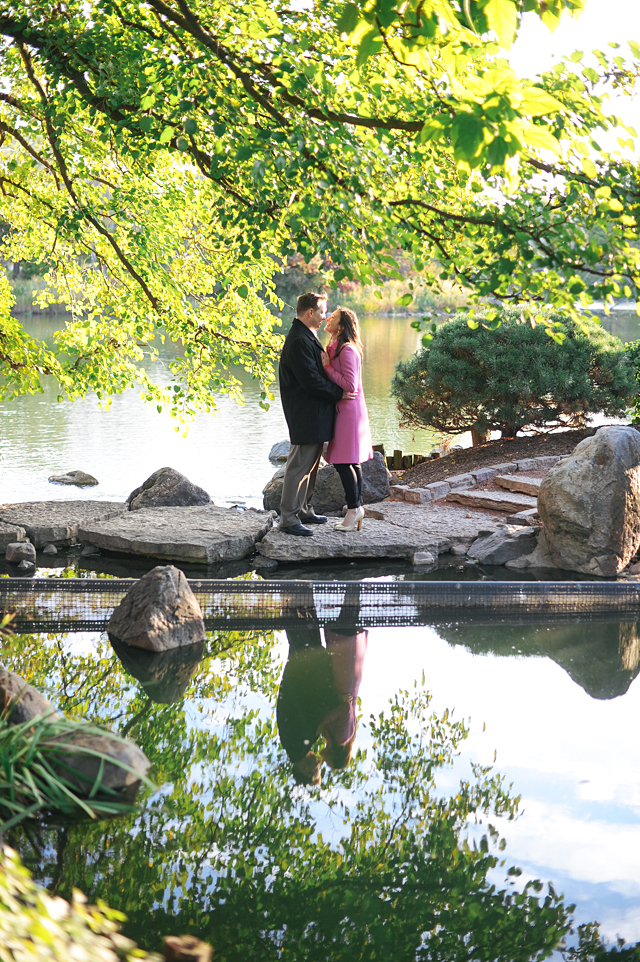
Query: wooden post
186	948
389	460
407	461
397	460
380	448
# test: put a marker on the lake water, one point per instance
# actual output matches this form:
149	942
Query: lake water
226	454
389	858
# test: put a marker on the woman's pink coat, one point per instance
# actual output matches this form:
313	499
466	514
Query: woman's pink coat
351	442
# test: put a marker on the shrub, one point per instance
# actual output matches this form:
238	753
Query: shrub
513	377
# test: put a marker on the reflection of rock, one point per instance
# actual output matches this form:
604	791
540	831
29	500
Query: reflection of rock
601	658
80	478
159	612
27	702
590	503
329	494
167	488
163	675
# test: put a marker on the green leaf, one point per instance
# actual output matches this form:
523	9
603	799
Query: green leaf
348	20
502	16
537	102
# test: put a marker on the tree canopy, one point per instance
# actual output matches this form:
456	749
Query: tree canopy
161	158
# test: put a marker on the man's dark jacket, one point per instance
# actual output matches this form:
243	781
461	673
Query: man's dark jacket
308	396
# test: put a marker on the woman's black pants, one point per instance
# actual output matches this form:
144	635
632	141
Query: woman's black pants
351	477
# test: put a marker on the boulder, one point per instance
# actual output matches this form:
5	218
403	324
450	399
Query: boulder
49	549
80	478
503	545
167	488
20	700
25	565
280	451
163	675
540	557
329	493
158	613
78	763
20	551
590	503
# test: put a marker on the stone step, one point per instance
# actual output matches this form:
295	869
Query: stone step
493	500
203	534
57	522
519	483
440	522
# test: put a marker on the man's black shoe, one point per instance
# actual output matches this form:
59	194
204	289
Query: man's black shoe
298	529
314	519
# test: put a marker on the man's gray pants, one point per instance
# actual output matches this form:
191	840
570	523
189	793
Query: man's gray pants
299	481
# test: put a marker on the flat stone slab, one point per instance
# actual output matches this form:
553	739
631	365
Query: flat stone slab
202	534
377	539
493	500
57	522
520	483
444	524
9	534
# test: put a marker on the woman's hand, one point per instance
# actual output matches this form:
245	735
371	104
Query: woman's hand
326	361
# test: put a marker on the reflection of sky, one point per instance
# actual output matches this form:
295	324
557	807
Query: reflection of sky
574	759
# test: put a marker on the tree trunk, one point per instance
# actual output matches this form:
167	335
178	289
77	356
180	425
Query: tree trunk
479	437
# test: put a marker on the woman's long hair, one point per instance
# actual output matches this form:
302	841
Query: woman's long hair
350	333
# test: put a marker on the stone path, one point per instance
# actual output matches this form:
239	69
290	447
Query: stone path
57	522
390	530
203	535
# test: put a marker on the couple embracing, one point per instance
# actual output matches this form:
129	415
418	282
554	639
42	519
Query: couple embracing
323	400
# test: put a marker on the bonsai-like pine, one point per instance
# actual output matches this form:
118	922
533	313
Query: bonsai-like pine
513	377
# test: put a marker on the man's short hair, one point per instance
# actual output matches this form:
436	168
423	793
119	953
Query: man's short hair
309	301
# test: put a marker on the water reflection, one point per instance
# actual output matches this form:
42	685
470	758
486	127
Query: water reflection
318	697
395	857
603	659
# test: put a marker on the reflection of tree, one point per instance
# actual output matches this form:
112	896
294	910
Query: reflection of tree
601	658
379	865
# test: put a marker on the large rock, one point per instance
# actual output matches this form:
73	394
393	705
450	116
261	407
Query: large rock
590	503
78	758
202	535
329	493
164	675
9	534
73	753
159	612
503	545
20	701
57	522
20	551
493	500
167	488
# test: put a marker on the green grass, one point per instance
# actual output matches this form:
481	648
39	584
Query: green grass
34	776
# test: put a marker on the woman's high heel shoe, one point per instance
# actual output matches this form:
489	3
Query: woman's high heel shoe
356	523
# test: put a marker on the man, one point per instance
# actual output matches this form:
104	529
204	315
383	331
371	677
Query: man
309	402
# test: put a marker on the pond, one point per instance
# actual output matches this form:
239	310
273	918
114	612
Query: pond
415	848
227	454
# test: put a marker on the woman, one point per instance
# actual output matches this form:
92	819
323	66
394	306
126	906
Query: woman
351	443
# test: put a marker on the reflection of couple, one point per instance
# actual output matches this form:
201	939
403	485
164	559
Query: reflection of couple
323	400
318	698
